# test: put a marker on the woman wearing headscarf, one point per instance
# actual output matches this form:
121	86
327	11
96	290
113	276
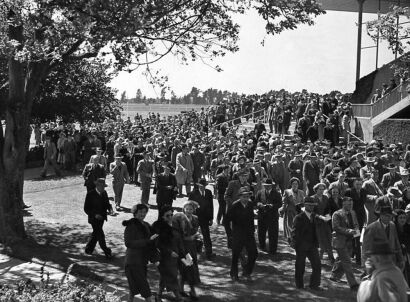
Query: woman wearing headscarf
187	224
171	248
291	200
139	241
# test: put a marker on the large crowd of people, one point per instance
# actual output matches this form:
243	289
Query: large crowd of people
342	202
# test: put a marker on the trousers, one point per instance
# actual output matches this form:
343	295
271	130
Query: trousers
270	225
97	236
249	244
343	265
118	188
313	256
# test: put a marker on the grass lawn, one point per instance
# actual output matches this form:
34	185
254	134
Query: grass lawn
58	231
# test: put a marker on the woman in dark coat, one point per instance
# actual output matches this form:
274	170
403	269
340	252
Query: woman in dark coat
140	249
171	250
403	233
188	225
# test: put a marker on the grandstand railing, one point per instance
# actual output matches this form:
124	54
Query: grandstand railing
384	103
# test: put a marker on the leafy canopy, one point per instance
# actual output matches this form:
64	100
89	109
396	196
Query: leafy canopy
132	33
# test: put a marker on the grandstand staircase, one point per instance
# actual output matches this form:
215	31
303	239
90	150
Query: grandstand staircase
370	115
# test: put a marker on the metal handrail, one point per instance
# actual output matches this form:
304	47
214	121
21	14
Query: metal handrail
348	131
239	117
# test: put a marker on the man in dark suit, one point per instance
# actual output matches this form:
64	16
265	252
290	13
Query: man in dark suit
359	197
205	213
268	201
305	242
166	185
97	206
390	178
383	230
92	172
242	232
222	181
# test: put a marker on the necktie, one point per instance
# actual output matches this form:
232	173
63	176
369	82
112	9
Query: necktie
387	230
350	219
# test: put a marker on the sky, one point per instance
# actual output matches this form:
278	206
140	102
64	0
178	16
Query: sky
319	58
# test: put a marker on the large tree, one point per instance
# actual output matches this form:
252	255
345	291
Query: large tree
37	36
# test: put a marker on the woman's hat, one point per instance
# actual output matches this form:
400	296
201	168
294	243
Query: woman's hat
293	179
192	203
320	184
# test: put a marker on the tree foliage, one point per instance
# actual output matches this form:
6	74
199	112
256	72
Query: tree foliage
77	92
397	36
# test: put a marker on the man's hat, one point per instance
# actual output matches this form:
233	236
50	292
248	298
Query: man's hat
380	247
310	201
407	210
370	159
394	191
100	181
268	182
391	166
98	149
404	172
202	182
386	210
118	157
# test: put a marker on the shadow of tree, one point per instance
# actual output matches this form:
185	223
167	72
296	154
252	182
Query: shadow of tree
61	245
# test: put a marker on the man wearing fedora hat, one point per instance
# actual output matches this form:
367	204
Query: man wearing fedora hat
240	229
305	242
391	177
268	201
97	206
92	172
311	173
145	170
166	185
100	159
119	172
404	182
383	229
205	213
386	282
369	166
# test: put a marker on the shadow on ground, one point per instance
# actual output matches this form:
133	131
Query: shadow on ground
61	245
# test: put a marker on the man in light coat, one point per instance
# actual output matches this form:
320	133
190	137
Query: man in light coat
119	172
184	170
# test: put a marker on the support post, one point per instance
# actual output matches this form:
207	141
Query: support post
378	37
359	39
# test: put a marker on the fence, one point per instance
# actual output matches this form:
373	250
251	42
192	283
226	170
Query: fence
387	101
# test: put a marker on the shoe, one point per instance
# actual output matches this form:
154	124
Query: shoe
248	278
118	208
334	279
235	278
183	294
26	206
211	256
108	255
317	288
193	296
354	288
88	252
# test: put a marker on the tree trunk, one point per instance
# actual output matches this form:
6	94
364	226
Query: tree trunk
24	82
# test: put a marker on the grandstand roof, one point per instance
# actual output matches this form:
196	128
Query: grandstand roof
369	6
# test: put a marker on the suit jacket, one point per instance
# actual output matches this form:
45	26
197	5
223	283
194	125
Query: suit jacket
304	235
222	182
363	171
376	232
359	201
340	224
351	175
390	179
119	173
271	202
145	167
96	203
163	193
232	191
205	212
311	173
